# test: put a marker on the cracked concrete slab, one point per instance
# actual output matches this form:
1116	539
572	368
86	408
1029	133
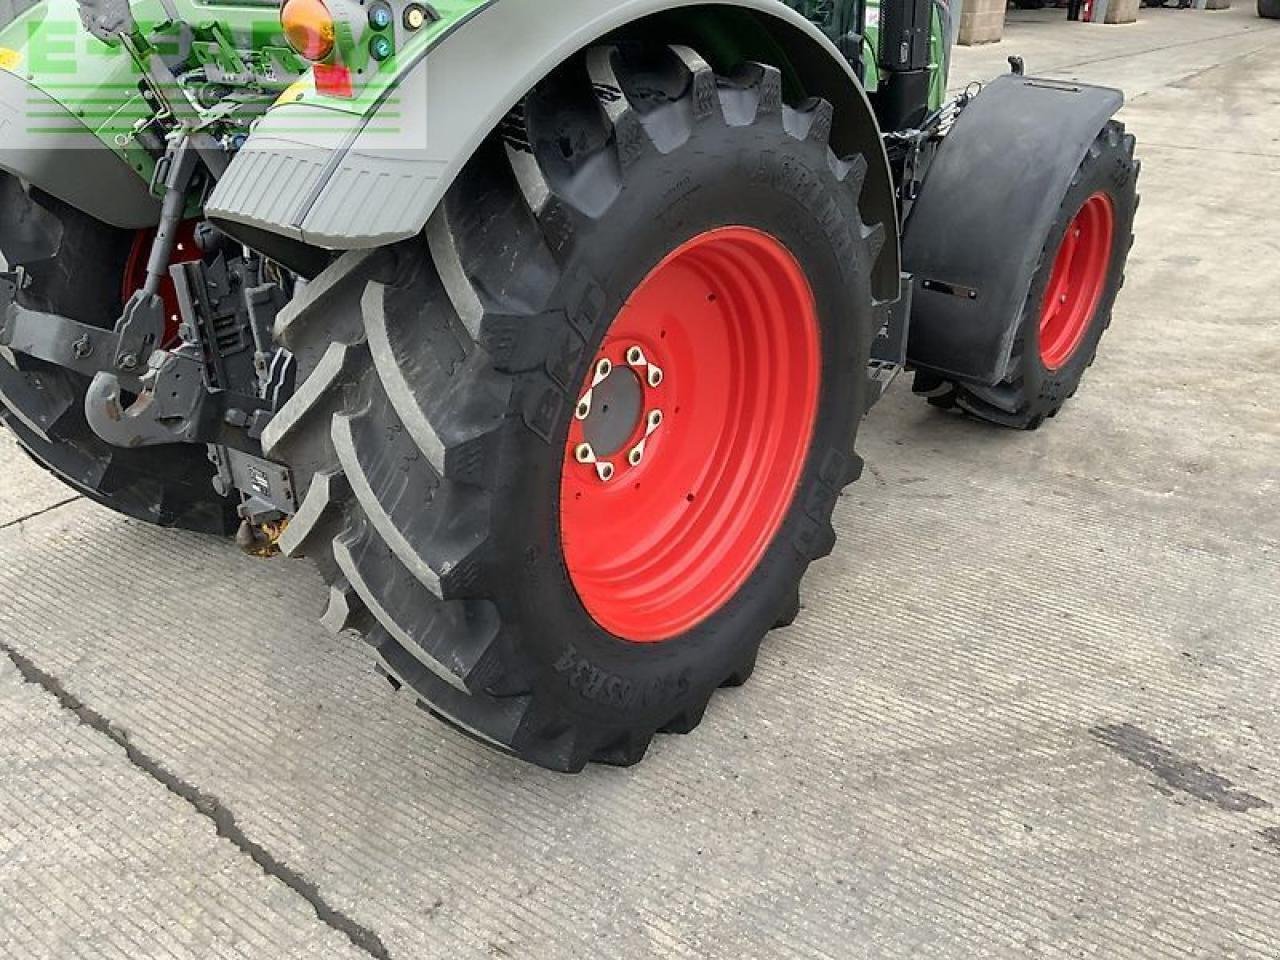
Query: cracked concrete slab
25	489
97	859
1029	708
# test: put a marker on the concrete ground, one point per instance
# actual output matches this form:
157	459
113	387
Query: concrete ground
1030	709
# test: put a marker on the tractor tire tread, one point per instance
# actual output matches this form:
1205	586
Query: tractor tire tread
425	358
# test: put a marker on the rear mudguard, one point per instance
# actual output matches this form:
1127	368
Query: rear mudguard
315	172
977	232
44	143
57	86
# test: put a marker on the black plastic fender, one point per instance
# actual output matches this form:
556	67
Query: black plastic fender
978	230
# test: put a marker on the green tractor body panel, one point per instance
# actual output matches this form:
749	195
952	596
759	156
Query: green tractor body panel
939	52
48	47
72	107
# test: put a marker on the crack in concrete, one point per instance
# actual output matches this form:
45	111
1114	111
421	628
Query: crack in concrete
38	513
207	806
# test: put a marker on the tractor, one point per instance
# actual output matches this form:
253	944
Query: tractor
544	330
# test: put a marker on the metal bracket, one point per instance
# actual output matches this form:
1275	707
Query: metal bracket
889	346
138	331
107	19
267	488
55	339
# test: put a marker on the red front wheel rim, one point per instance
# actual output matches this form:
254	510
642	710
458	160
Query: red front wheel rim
1078	281
690	434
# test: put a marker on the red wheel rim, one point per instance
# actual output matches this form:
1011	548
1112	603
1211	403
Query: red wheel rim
665	514
1078	281
185	250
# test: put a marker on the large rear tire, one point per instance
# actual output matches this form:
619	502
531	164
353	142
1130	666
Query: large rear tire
633	201
1068	308
76	267
1269	9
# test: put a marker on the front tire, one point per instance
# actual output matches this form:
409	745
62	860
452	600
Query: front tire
1072	293
438	423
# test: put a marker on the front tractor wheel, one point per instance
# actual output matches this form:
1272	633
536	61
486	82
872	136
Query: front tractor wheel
1068	308
569	454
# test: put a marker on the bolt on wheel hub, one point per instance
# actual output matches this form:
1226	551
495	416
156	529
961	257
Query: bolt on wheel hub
689	434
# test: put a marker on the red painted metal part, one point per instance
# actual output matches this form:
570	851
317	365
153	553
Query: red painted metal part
730	319
185	250
1078	281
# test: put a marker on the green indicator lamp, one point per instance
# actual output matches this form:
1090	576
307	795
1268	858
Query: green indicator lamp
380	48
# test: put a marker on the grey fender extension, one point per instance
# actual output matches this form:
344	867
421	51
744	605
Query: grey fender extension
339	181
63	158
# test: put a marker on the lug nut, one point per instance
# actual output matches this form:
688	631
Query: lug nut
655	418
635	456
603	367
583	453
584	408
605	470
655	375
635	356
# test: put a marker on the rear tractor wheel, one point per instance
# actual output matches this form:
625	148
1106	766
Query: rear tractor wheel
568	456
1069	305
83	269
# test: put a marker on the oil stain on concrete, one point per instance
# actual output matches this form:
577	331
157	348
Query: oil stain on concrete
1179	774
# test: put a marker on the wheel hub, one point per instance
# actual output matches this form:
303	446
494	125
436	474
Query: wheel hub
618	413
